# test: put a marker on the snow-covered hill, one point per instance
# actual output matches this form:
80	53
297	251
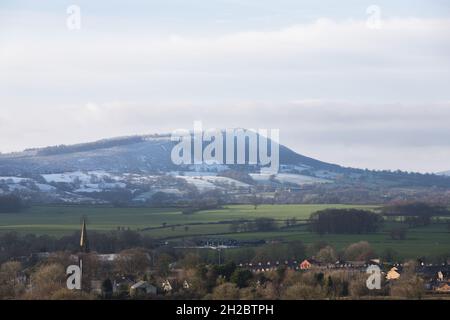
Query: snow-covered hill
139	168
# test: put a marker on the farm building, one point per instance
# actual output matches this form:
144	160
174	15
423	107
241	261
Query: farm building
305	265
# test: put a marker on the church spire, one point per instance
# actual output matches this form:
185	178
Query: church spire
84	245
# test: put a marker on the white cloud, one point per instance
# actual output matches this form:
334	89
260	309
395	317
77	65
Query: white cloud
337	90
401	48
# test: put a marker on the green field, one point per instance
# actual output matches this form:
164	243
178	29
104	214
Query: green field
61	220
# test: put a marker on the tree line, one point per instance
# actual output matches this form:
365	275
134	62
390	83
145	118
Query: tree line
339	221
15	245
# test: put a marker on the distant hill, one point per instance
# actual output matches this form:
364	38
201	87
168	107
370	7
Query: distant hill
136	153
139	169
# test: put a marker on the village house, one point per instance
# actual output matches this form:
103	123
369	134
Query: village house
142	288
393	274
443	288
305	265
308	264
121	285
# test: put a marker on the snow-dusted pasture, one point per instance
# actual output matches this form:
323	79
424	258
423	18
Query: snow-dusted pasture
290	178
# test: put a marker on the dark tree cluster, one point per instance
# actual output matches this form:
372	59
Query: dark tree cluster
10	203
237	175
398	233
118	198
82	147
416	214
341	221
205	204
415	209
419	221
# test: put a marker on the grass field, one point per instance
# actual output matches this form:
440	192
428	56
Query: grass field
61	220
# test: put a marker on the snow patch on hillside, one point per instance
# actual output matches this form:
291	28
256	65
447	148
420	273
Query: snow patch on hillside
298	179
45	187
12	179
290	178
225	180
198	182
67	177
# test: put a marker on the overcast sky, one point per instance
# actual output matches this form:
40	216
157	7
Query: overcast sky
341	85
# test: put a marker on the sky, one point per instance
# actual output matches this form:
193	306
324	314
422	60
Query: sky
357	83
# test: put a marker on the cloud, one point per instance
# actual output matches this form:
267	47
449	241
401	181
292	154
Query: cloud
338	90
325	59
